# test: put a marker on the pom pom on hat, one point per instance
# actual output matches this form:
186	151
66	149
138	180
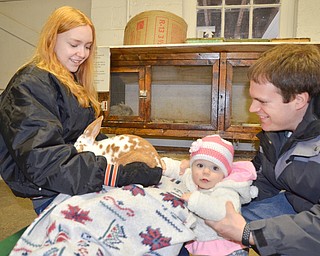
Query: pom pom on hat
214	149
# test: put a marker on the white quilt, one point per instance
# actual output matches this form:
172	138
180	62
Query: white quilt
116	221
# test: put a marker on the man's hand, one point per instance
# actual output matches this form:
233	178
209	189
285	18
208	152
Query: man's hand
230	227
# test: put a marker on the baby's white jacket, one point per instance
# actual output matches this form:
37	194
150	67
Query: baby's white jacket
211	204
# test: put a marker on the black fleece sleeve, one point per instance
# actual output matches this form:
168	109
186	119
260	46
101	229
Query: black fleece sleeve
132	173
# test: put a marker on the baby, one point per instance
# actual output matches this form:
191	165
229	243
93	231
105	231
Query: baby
212	180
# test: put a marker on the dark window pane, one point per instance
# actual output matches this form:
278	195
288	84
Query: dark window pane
237	2
210	18
266	1
241	99
196	82
124	94
237	23
209	2
262	18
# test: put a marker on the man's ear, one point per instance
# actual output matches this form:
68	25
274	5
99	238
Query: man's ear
302	99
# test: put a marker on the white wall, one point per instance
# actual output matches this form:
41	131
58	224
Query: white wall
110	17
308	19
21	22
20	25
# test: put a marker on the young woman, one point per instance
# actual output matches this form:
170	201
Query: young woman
45	107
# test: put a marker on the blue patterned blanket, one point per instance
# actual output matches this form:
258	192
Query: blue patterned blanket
131	220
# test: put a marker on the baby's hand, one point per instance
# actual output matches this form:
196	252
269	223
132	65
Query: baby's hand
184	164
186	196
163	166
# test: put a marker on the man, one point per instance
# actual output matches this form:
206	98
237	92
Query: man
285	218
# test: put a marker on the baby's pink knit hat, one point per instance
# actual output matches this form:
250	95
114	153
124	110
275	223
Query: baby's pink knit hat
214	149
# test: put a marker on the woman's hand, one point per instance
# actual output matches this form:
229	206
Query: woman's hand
138	173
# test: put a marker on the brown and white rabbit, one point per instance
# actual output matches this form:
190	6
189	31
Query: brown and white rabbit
120	149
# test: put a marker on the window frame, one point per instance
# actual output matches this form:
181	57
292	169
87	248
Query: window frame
288	18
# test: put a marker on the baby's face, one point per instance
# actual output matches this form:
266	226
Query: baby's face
206	174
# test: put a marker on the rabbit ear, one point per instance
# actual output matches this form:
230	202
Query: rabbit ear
93	129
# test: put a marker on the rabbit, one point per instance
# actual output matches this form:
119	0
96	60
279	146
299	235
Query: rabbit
120	149
121	110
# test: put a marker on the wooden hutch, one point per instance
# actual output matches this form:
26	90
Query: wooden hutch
183	90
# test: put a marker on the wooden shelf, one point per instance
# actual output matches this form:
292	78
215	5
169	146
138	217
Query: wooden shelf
152	75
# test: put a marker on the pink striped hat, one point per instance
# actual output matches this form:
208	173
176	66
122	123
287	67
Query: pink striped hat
214	149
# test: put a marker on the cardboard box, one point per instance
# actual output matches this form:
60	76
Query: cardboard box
155	27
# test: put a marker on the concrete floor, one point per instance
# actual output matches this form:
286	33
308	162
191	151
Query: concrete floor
15	212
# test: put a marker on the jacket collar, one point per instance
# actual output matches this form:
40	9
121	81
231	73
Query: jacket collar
309	127
276	143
